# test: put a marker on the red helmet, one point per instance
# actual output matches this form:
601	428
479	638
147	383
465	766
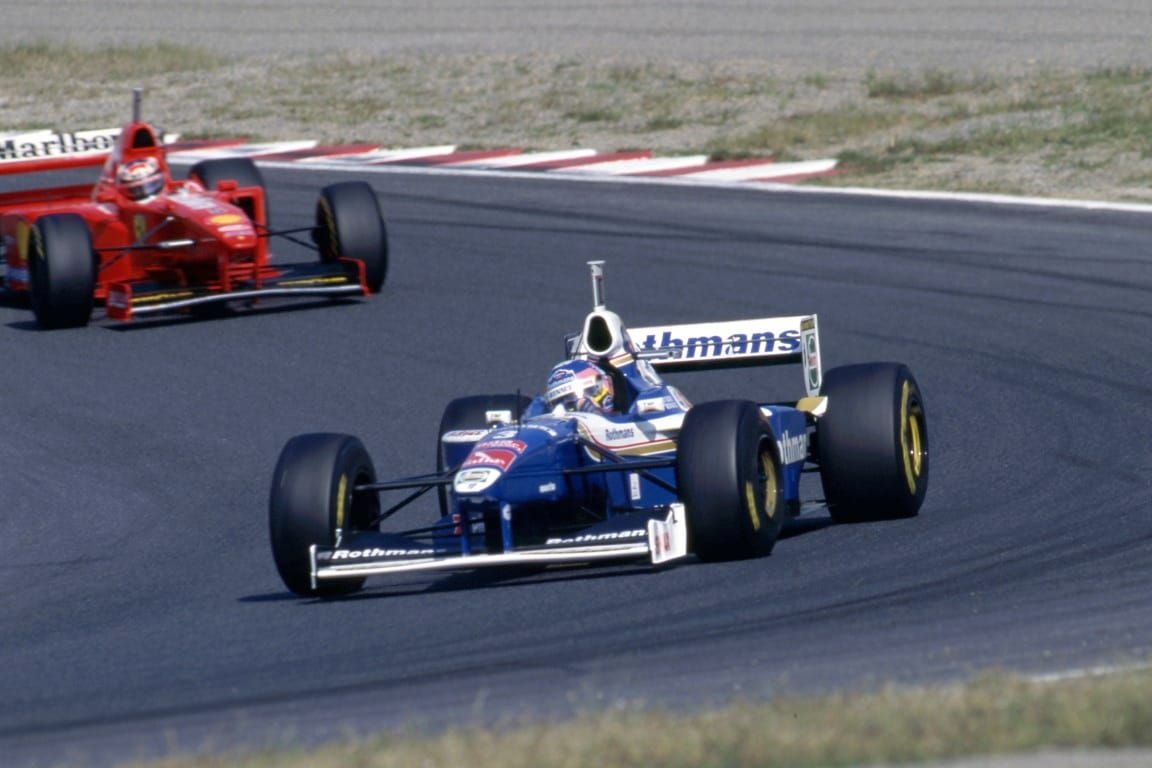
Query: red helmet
140	179
579	386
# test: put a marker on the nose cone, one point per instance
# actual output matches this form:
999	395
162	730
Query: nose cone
234	228
486	463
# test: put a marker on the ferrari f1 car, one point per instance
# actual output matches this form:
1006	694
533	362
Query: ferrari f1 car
143	243
652	477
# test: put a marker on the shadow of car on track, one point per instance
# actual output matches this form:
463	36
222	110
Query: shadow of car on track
206	314
522	576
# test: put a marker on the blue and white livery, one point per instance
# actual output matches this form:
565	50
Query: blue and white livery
654	477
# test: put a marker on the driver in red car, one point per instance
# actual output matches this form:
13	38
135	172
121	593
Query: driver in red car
141	179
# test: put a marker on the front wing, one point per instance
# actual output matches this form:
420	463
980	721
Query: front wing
660	541
342	277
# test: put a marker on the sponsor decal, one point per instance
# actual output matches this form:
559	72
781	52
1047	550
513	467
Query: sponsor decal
516	446
547	488
596	538
542	427
498	417
226	218
58	145
651	405
463	435
793	448
732	345
139	227
475	479
634	486
561	383
619	433
375	552
490	457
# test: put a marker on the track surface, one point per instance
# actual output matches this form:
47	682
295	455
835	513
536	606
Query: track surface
141	611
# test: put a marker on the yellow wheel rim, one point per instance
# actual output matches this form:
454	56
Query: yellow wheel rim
912	448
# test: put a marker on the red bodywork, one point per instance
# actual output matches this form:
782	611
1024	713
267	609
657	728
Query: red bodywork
188	245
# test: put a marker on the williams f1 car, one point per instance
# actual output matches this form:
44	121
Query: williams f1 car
642	474
143	243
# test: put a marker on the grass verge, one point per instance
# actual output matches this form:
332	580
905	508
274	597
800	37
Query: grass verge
995	714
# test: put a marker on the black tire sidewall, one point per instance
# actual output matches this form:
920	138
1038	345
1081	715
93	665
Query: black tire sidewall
61	270
311	473
861	454
718	455
349	225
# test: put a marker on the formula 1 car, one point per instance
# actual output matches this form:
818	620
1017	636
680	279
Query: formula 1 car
144	243
523	481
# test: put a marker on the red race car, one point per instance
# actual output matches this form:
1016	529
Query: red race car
142	242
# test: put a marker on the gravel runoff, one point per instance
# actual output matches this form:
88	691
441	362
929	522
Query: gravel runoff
826	35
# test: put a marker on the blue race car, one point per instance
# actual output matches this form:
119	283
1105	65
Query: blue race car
613	463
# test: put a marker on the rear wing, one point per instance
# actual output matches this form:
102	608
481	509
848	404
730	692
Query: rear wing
699	346
734	344
48	151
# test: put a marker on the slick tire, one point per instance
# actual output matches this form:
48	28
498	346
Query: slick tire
312	496
349	225
729	479
872	443
62	271
471	413
238	169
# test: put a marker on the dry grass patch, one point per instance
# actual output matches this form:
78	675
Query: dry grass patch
995	714
1067	134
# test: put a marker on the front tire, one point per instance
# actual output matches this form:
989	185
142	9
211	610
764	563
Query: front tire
312	496
349	225
872	443
62	271
728	473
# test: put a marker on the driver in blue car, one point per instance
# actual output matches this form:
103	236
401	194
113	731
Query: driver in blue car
578	385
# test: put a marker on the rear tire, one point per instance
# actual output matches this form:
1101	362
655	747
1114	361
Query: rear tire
349	225
62	270
728	473
312	496
872	443
471	413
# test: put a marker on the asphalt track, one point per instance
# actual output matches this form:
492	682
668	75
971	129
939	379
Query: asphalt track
141	613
